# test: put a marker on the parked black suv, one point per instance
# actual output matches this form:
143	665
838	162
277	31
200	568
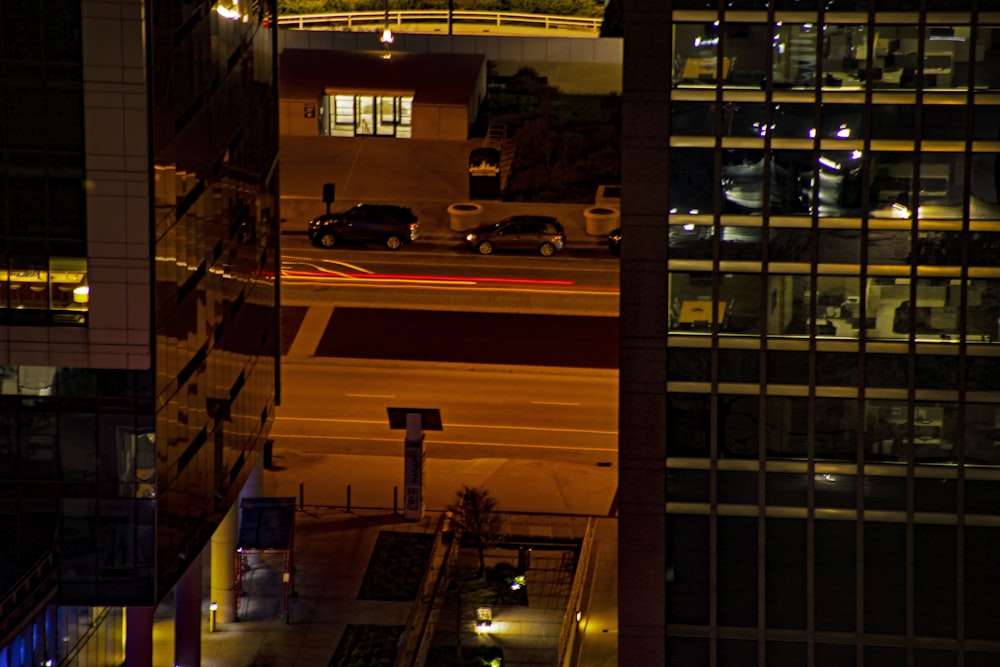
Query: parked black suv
386	224
541	233
615	241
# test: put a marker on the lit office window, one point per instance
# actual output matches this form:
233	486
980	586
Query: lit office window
793	55
45	290
68	288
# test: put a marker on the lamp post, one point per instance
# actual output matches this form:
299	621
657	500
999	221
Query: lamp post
386	37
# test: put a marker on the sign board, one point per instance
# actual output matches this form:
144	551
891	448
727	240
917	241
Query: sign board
415	421
308	110
413	477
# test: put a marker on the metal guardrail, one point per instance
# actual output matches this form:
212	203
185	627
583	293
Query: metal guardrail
30	592
416	17
570	628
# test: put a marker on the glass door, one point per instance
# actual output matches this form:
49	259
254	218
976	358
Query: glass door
364	115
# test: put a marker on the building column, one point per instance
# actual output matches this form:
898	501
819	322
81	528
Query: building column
187	617
223	573
139	637
254	486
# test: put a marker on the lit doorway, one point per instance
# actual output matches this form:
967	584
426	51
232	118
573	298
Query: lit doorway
366	115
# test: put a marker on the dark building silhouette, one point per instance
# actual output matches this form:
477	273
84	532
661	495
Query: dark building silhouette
810	370
138	321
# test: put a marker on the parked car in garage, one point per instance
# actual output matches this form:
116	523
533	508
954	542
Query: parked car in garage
539	233
384	224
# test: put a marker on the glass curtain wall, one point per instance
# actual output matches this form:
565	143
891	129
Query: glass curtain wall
832	315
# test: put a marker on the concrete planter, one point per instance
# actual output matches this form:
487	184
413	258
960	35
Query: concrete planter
601	219
465	215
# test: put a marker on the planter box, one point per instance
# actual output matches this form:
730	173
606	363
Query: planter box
601	219
465	215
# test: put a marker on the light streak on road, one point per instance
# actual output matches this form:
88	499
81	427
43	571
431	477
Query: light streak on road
371	395
305	271
572	405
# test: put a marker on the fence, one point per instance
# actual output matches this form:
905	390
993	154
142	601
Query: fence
413	19
570	623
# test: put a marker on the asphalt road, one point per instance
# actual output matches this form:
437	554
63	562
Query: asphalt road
452	306
559	416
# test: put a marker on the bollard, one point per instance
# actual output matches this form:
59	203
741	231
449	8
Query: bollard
348	497
302	496
395	500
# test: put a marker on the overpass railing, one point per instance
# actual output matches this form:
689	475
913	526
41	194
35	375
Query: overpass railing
413	18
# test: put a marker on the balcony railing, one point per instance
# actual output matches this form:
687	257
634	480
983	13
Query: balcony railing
414	20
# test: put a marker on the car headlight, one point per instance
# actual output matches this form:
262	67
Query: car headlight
470	237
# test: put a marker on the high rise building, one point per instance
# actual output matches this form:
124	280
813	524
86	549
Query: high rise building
139	330
810	353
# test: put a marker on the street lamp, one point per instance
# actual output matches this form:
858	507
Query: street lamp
386	37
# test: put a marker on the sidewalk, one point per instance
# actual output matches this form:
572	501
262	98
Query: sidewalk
427	176
333	546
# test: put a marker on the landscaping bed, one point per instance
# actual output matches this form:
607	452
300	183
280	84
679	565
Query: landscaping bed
567	145
396	567
367	646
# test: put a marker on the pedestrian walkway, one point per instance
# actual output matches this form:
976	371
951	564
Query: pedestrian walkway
332	552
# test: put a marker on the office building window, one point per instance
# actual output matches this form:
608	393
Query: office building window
41	290
982	440
885	578
785	574
687	486
886	370
688	424
835	573
741	366
689	365
736	575
787	367
786	427
687	575
739	421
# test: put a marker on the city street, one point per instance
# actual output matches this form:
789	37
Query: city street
512	413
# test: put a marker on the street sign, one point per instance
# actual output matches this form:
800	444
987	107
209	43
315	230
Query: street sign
414	420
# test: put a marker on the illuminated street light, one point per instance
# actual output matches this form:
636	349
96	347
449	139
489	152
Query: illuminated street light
386	37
